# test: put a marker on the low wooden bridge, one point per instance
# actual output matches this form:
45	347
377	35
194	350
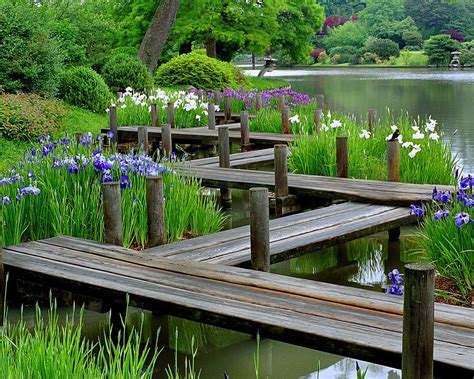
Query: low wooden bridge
341	320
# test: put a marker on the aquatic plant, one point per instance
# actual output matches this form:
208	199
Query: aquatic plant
189	364
396	280
447	233
57	350
424	158
56	190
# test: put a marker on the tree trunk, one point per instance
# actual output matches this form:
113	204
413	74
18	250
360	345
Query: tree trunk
157	33
211	49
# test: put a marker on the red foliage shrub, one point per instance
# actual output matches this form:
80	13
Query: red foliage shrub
315	53
333	22
454	34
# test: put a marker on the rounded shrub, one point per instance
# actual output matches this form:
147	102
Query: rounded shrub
383	48
28	116
346	53
200	71
122	71
84	87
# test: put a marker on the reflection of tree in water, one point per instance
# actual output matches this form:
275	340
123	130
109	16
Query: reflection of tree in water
371	256
346	368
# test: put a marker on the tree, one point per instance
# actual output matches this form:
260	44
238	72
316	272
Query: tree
439	48
342	7
380	13
298	22
349	34
157	33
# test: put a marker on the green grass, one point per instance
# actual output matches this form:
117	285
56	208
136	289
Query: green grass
264	83
55	350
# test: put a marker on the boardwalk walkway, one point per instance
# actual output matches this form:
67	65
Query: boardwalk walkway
201	136
239	160
291	235
372	191
348	321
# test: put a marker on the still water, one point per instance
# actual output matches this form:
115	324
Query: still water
445	94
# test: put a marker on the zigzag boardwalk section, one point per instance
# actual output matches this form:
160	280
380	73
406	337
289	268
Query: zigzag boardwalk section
239	160
371	191
347	321
201	136
290	236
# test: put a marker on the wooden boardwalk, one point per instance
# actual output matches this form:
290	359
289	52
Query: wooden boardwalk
347	321
201	136
239	160
291	235
370	191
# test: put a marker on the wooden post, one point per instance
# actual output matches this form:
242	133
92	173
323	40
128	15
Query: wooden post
259	229
143	138
119	94
281	102
154	116
217	98
224	160
318	114
166	140
155	211
418	322
244	131
372	119
113	125
211	115
393	175
320	101
342	157
281	170
227	108
112	212
171	115
258	101
285	120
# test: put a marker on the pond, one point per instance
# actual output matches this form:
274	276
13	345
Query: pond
445	94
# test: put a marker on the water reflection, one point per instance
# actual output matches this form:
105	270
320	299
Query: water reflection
446	95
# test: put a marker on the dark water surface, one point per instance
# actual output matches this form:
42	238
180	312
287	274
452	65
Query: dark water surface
445	94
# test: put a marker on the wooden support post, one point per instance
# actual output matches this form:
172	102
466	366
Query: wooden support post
171	115
418	322
320	101
259	229
393	175
285	120
227	109
318	114
119	94
281	170
258	102
342	157
143	138
211	115
166	140
372	119
281	102
155	211
224	160
112	205
154	116
281	178
244	131
217	98
113	125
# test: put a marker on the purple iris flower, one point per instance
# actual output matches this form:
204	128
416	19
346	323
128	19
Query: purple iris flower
110	134
444	197
395	277
395	290
125	182
462	219
30	189
466	182
416	210
5	200
41	139
56	163
444	213
73	169
33	151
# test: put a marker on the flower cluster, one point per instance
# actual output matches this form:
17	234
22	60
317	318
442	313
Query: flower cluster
396	280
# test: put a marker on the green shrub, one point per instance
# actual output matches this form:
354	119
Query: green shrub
412	38
439	48
122	71
84	87
383	48
30	58
467	57
369	58
28	116
346	53
200	71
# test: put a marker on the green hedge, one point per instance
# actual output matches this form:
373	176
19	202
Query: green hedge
84	87
200	71
122	71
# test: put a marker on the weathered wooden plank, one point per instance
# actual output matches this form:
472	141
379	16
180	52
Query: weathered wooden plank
447	314
238	159
328	332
